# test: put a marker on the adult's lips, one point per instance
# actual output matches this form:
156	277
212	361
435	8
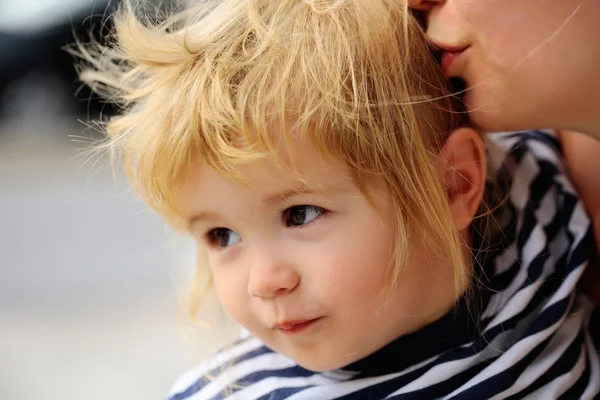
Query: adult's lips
449	57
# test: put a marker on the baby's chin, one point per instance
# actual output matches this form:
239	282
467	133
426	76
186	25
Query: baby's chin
320	357
323	363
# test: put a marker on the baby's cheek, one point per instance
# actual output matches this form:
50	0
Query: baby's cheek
354	276
233	296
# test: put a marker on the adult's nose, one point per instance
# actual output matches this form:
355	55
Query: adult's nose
423	5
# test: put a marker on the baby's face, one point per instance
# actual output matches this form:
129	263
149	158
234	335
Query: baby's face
305	267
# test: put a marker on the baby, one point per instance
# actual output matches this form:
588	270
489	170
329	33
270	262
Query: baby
352	222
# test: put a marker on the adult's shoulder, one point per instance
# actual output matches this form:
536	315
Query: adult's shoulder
582	157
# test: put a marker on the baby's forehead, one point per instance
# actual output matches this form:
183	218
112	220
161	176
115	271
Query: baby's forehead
306	170
278	152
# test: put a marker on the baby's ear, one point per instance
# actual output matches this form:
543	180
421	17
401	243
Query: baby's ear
462	167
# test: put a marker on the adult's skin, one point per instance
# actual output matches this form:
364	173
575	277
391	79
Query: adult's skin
529	64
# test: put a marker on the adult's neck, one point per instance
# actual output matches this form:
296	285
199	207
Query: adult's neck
583	100
585	110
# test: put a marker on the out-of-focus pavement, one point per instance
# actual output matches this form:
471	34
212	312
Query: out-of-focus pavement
89	278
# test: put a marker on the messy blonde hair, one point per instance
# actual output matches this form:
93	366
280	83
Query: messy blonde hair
208	81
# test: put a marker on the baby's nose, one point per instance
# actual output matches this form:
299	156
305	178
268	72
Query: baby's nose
271	277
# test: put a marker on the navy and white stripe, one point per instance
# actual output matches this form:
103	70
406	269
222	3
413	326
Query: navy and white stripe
526	331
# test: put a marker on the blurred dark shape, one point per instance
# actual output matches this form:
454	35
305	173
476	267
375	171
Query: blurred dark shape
38	79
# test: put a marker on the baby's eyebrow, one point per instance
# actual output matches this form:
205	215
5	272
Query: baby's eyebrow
202	216
330	187
270	199
273	199
288	193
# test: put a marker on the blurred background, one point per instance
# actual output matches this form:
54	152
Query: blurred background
89	277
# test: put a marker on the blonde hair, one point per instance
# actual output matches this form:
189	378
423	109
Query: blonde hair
356	75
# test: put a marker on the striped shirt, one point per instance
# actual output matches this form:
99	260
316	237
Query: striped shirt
524	332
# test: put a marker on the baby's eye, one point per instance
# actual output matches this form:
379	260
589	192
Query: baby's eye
301	215
222	237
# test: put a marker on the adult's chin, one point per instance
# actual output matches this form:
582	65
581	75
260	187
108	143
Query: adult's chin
491	110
